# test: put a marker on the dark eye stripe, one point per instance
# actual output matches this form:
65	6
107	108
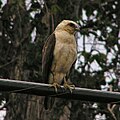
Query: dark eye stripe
72	25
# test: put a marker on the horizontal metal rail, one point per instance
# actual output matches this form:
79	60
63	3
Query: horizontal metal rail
16	86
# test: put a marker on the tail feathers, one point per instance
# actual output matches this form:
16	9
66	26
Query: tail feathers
49	102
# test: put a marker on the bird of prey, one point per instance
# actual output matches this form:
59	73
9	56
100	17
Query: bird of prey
58	56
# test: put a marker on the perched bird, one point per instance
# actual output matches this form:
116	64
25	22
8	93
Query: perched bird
58	56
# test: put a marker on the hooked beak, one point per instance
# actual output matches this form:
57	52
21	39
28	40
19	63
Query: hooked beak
77	28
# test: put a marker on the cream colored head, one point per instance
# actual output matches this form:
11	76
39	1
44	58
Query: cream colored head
69	26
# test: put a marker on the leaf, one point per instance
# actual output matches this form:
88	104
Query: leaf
55	9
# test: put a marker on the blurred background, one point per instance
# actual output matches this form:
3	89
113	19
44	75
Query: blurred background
24	27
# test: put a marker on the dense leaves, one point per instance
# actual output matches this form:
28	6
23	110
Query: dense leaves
24	26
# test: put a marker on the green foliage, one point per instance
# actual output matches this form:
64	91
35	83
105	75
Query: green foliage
55	9
17	50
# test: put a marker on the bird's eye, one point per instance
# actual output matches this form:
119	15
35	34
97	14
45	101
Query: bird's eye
71	24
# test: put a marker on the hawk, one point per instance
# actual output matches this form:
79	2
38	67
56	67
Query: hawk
58	56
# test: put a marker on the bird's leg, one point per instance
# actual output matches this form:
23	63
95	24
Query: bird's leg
55	85
66	85
54	82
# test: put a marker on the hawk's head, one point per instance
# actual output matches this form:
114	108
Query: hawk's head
69	26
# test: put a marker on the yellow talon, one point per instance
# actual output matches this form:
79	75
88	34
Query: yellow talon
55	85
70	87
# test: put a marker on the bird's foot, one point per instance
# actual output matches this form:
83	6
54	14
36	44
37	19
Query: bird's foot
70	87
55	85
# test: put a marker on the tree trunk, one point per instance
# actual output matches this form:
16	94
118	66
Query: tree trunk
20	107
30	107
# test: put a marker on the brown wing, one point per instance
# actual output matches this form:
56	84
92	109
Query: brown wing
47	57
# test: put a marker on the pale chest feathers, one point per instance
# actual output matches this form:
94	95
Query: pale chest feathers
65	42
65	37
65	52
